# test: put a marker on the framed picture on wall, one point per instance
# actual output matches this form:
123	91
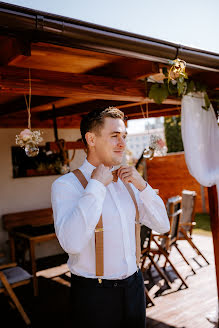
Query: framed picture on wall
47	162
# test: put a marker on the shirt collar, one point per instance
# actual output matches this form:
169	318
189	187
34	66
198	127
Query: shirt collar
87	168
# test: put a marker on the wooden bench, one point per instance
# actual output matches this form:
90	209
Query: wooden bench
33	226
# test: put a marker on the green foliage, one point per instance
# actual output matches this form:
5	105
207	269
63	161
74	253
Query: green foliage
178	87
172	128
158	92
203	226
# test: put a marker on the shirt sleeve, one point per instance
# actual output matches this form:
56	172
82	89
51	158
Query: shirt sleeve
76	213
152	210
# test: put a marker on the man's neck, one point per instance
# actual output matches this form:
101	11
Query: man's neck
95	163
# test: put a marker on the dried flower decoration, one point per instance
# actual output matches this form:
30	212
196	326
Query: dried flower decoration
28	139
156	144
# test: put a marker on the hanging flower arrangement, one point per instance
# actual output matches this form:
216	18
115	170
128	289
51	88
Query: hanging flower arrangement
157	145
27	138
176	83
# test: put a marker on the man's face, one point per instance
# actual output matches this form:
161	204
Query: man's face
109	144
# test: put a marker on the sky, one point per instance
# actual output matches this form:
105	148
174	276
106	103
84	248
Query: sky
192	23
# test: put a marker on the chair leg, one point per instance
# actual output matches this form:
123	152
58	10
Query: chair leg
193	245
168	260
148	296
14	298
180	252
162	274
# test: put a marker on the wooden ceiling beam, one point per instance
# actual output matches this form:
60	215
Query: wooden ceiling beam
13	49
78	109
131	68
83	108
58	84
19	105
15	81
154	112
157	114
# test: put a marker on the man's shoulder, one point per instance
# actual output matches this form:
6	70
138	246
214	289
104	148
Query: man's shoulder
67	178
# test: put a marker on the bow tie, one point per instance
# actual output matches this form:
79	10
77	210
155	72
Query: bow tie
115	175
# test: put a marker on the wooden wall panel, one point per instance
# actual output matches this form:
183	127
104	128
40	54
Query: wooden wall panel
170	175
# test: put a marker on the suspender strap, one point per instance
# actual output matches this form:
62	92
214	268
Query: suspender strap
99	229
137	224
98	232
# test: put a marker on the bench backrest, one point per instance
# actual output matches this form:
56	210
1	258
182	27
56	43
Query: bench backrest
33	218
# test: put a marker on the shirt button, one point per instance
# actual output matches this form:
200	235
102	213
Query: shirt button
115	284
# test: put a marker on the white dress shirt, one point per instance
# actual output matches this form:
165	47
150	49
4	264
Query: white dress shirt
77	211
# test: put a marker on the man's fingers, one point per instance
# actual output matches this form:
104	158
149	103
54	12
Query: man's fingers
124	170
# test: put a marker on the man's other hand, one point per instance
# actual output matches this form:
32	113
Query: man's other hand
129	174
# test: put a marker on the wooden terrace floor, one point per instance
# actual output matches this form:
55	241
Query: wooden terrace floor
174	308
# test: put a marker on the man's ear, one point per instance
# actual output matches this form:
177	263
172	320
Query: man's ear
90	138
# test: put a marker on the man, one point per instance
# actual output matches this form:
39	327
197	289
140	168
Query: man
108	293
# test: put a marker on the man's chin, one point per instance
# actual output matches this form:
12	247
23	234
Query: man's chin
117	161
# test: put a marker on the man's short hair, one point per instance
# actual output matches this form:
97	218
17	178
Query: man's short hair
94	120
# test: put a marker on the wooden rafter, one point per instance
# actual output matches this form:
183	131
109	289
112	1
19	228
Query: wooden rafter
13	49
58	84
19	105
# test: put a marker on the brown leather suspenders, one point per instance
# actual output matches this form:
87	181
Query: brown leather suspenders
137	225
99	229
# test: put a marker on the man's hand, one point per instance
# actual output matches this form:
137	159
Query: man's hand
130	174
103	174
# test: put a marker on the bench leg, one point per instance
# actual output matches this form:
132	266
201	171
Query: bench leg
33	267
12	247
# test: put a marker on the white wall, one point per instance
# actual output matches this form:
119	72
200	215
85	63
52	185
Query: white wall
23	194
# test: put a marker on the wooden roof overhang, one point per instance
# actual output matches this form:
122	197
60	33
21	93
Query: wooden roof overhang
77	66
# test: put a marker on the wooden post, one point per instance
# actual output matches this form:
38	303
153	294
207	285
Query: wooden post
213	206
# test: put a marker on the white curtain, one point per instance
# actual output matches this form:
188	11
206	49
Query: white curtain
200	134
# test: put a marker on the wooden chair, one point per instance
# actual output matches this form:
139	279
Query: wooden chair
146	235
164	242
12	276
188	221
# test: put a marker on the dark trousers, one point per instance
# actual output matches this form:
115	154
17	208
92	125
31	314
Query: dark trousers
109	304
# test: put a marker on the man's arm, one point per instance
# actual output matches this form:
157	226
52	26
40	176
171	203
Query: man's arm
76	213
152	211
151	207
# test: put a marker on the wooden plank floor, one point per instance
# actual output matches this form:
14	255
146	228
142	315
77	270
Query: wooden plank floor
186	308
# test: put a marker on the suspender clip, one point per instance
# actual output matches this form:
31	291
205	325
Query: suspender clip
99	230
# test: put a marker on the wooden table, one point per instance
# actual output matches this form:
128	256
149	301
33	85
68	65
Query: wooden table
33	235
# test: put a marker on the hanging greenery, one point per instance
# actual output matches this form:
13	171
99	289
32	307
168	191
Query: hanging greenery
176	83
172	129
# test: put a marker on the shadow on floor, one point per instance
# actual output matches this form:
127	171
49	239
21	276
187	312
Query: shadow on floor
52	307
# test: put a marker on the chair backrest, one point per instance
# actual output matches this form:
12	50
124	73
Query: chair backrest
174	211
188	210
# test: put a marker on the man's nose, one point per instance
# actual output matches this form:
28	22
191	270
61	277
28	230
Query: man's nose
122	142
